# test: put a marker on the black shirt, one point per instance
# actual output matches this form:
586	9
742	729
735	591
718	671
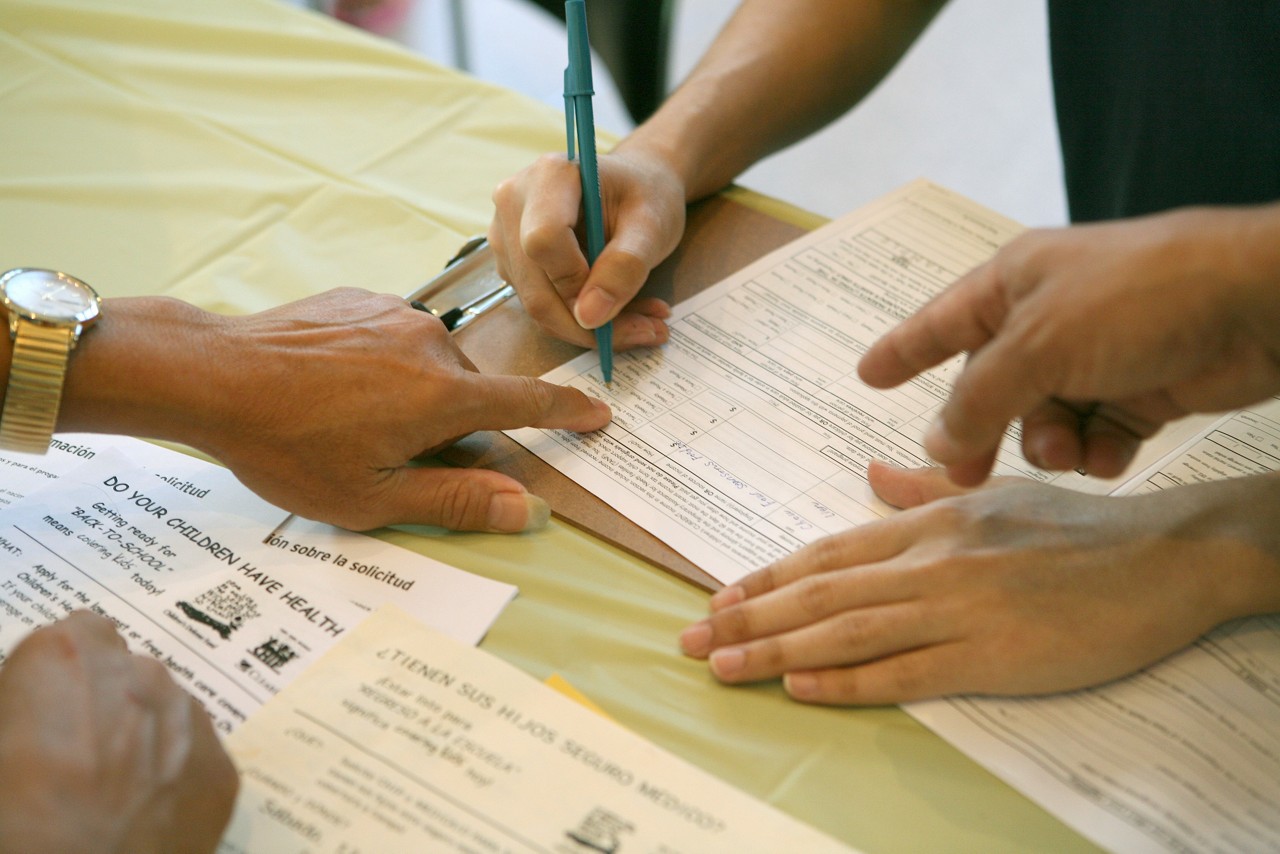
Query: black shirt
1163	103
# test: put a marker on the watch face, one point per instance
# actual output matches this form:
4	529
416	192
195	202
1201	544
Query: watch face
48	295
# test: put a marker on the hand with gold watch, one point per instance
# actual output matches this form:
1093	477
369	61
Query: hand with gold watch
321	406
48	311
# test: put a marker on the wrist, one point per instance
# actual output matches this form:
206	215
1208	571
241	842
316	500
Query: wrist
701	135
1235	520
150	369
656	151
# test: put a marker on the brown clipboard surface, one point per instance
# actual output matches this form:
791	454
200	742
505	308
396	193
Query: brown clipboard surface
721	237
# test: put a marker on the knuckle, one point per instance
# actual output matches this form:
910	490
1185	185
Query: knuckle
911	677
460	507
539	242
953	514
816	594
766	656
548	313
493	234
732	624
852	630
552	161
1016	252
764	580
539	303
825	551
505	192
535	397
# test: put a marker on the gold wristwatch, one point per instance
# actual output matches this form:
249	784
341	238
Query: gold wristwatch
47	312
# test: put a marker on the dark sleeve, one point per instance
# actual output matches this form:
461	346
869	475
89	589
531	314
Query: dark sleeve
1164	103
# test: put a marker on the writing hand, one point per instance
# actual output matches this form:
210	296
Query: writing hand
1097	335
101	751
536	244
1017	588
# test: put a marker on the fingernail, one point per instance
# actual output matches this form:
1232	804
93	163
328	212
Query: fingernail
696	640
801	686
592	308
512	512
728	663
727	596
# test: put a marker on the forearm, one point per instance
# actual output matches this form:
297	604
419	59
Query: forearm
148	367
776	73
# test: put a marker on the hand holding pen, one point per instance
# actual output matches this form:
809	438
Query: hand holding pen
535	243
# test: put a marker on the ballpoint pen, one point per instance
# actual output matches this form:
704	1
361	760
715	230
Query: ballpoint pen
579	121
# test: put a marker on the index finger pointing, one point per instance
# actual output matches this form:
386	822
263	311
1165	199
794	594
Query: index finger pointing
963	317
495	402
994	388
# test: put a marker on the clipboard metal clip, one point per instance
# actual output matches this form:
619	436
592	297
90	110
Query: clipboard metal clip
465	289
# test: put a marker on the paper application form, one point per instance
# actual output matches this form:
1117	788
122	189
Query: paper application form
748	435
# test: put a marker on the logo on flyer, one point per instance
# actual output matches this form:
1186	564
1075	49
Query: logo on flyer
600	830
224	608
274	653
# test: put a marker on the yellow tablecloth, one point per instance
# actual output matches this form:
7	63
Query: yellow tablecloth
242	153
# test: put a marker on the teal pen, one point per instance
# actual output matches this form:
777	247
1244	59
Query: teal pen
579	121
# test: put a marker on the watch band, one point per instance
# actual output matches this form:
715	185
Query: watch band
36	375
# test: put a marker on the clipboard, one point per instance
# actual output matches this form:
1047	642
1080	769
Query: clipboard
722	236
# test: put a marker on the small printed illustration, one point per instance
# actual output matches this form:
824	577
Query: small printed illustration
224	609
272	652
601	830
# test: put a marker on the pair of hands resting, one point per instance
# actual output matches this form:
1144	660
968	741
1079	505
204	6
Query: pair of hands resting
1016	588
1095	336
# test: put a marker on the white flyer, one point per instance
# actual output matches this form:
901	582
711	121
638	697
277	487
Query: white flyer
400	739
182	579
363	569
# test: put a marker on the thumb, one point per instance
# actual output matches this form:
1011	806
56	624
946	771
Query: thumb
461	500
640	242
904	488
614	280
